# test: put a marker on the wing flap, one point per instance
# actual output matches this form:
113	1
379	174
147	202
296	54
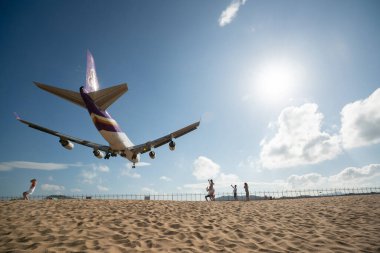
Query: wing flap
66	137
143	148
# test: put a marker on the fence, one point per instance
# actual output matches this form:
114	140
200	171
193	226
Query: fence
221	196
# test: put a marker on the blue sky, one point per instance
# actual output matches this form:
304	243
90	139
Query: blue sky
288	93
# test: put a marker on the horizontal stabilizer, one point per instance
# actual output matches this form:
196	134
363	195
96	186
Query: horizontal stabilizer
69	95
104	98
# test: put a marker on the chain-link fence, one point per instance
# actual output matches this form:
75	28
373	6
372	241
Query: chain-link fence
219	196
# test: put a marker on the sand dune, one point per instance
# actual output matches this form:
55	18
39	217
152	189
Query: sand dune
333	224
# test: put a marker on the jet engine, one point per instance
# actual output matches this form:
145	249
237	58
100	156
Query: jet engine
171	145
152	154
99	154
67	144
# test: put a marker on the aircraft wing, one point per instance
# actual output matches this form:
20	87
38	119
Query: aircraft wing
142	148
67	137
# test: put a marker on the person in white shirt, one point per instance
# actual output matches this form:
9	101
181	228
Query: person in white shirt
31	189
211	191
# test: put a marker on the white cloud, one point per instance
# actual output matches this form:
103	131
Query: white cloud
149	190
7	166
230	12
52	188
91	176
101	168
366	176
299	139
205	169
251	162
165	178
102	188
361	122
139	164
197	187
129	172
75	190
357	174
306	181
88	176
225	180
351	177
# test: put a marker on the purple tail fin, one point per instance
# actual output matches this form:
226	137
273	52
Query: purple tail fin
92	83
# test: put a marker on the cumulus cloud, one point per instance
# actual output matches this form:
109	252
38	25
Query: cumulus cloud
129	172
230	12
365	176
149	190
357	174
88	176
52	188
351	177
299	139
139	164
165	178
92	175
227	179
7	166
361	122
102	188
305	181
101	168
204	168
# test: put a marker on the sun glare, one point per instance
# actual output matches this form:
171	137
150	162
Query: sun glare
276	81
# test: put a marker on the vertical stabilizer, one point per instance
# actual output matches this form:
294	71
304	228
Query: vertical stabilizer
92	83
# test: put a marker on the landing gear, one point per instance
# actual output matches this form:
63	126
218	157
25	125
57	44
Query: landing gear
108	155
134	160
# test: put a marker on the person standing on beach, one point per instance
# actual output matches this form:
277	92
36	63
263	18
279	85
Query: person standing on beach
210	190
31	189
235	191
246	191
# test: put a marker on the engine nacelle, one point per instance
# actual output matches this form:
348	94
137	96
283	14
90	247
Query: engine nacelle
99	154
66	144
171	145
152	154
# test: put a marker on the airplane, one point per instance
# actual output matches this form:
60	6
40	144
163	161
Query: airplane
96	101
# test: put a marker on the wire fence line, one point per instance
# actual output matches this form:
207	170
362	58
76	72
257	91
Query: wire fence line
221	196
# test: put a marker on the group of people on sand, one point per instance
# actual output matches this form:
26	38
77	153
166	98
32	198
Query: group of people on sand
211	191
234	188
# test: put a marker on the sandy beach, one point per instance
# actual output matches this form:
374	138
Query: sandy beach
330	224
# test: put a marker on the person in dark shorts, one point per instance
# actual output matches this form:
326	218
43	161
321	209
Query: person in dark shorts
235	191
246	191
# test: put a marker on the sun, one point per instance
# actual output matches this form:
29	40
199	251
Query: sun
276	80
